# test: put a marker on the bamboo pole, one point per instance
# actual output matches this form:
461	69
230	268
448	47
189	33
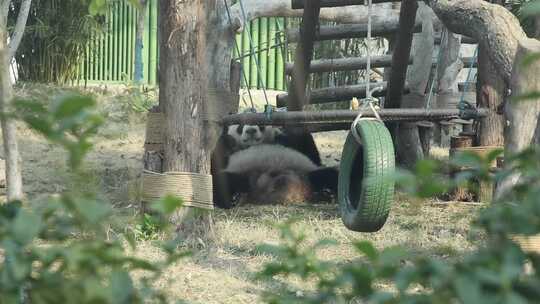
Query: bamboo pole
271	72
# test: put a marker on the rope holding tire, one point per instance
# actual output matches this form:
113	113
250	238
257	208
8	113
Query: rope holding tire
365	186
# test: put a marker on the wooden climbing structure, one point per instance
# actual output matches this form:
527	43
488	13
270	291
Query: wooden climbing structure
366	189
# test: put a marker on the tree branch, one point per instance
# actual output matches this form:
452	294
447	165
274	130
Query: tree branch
19	28
492	25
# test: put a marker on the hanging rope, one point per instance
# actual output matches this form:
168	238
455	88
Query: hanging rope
368	101
238	52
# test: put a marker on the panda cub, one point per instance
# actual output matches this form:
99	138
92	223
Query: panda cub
272	174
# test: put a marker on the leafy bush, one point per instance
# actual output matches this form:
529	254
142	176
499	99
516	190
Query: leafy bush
494	273
60	251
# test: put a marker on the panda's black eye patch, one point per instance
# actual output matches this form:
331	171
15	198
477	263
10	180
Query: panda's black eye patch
240	129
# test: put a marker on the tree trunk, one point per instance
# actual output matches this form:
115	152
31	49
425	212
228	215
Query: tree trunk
490	95
9	130
493	26
18	31
523	126
182	97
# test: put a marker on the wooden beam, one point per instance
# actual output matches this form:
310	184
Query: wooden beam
336	94
303	118
401	54
345	31
299	4
345	64
303	56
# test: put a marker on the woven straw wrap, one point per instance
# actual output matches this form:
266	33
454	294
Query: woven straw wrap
155	136
195	189
528	243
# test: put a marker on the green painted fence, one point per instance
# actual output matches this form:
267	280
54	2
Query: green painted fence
110	57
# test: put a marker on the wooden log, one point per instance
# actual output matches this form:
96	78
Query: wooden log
335	94
346	64
299	4
402	52
338	116
346	31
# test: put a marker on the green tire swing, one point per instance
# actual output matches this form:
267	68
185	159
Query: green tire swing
366	186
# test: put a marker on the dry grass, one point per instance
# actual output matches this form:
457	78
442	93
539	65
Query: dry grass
223	272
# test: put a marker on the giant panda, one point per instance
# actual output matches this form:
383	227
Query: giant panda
272	174
239	137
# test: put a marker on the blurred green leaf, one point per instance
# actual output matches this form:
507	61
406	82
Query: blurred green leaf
97	7
368	249
167	204
26	227
71	105
534	95
122	287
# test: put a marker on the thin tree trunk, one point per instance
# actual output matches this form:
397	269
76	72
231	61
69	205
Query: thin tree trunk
18	32
11	150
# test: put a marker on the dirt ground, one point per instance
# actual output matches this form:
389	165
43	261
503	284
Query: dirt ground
224	272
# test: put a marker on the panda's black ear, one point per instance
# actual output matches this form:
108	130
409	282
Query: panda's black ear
324	178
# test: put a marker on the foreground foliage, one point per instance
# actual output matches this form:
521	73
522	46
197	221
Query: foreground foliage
494	273
62	250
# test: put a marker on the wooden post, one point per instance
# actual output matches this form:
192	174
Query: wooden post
303	56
